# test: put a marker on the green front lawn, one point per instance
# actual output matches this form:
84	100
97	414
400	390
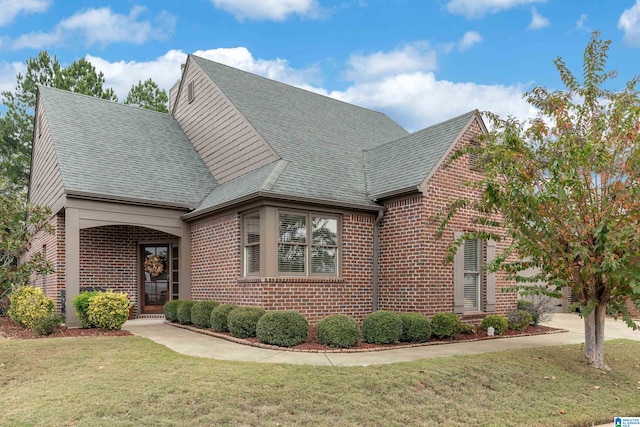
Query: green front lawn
133	381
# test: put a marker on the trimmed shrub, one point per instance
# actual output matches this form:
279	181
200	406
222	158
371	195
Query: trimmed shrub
282	328
201	313
468	329
184	312
445	325
416	327
29	305
219	317
339	331
518	320
498	323
81	304
171	310
382	327
108	310
47	325
242	321
529	307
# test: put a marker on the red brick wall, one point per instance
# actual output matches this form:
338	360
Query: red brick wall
413	273
216	272
52	283
109	257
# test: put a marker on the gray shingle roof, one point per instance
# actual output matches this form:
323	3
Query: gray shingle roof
116	151
321	138
404	163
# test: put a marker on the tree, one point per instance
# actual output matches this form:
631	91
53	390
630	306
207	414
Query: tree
20	221
148	95
565	188
16	127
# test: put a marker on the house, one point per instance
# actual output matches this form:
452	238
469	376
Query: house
256	193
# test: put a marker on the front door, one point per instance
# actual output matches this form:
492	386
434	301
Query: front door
155	277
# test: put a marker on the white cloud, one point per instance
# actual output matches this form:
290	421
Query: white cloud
581	21
478	8
269	10
8	72
469	39
629	23
417	56
12	8
537	21
100	27
165	70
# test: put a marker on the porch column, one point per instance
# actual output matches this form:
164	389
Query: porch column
184	291
72	263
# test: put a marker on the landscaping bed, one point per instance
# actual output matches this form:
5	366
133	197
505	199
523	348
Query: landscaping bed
312	345
9	329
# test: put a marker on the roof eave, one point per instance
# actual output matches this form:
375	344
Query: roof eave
275	196
397	192
85	195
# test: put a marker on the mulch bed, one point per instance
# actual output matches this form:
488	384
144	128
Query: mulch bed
10	330
312	345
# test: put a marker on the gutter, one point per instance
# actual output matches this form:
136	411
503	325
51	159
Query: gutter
376	244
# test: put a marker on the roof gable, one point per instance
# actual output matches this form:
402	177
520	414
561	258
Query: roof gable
402	165
113	151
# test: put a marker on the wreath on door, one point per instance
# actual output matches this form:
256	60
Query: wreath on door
154	265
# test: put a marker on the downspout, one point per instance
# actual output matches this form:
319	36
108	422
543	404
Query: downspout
376	244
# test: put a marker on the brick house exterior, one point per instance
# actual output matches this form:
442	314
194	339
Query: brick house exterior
256	193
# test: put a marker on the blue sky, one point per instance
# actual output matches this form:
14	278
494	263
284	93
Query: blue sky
419	61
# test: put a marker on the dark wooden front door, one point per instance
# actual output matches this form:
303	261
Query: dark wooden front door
155	277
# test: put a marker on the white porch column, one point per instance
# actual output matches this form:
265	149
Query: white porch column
184	291
72	263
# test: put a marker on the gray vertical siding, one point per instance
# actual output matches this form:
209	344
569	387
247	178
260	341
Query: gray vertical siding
46	182
226	141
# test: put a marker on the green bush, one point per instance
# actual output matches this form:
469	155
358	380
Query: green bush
518	320
498	323
282	328
416	327
530	307
445	325
81	304
184	312
219	317
201	313
468	329
242	321
108	310
29	305
382	327
339	331
47	325
171	310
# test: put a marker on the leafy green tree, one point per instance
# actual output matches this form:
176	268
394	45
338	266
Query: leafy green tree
16	127
20	221
565	188
148	95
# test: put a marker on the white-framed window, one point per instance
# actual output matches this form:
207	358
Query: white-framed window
251	243
473	286
472	278
308	244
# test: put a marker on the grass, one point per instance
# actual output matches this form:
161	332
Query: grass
133	381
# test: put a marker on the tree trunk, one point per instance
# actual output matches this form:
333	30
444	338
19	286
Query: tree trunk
594	337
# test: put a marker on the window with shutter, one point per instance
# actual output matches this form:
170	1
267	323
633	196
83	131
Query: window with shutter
473	287
472	275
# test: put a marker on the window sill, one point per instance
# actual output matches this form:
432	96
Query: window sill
291	279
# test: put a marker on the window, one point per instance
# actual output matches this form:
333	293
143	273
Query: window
473	287
307	244
190	92
251	242
472	275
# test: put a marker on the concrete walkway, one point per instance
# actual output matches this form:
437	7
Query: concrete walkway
195	344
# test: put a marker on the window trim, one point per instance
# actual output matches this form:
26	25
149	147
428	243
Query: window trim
308	245
480	244
487	301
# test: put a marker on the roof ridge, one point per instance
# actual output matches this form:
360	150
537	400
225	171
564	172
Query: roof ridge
424	129
40	87
297	88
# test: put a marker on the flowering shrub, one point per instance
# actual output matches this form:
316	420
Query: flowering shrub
29	305
108	310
